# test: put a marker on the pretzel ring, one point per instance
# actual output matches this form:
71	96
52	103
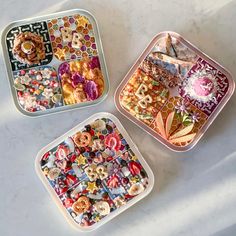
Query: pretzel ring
82	139
81	205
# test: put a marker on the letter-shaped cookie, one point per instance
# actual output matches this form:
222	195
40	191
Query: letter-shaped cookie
144	101
76	41
140	93
66	33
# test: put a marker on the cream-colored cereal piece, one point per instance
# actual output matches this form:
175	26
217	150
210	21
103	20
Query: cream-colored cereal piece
76	41
66	33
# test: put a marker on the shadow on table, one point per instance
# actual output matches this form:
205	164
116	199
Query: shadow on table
202	198
188	191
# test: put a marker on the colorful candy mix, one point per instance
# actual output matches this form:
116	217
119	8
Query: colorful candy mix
72	37
82	80
94	172
38	88
68	47
174	92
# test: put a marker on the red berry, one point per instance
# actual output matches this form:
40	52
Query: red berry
109	158
68	202
125	181
22	72
54	73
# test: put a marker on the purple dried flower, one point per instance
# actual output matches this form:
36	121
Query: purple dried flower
91	90
94	63
182	107
77	78
64	68
195	117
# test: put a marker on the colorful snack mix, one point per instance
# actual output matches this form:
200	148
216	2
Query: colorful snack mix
93	171
175	92
82	80
38	88
66	44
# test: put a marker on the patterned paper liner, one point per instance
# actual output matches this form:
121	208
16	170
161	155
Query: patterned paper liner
94	172
194	89
39	28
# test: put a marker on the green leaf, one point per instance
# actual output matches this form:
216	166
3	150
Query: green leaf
136	109
164	93
185	117
155	83
128	105
146	117
187	122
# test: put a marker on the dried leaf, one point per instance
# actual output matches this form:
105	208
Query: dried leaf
160	124
168	44
183	139
169	121
182	132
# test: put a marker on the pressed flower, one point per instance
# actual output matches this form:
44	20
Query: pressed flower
46	73
47	93
195	116
182	107
64	68
91	90
94	63
25	79
76	79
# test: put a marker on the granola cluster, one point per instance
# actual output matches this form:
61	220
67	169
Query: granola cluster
29	48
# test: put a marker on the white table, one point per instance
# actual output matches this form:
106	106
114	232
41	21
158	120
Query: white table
194	193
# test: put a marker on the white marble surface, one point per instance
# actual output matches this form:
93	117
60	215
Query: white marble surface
194	193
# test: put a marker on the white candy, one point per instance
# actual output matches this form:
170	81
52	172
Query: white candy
77	171
125	171
70	144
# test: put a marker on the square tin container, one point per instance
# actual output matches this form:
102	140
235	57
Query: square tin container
174	91
66	66
94	172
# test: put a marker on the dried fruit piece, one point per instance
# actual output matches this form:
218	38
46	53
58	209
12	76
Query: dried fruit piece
102	208
136	189
113	141
82	139
54	173
81	205
134	167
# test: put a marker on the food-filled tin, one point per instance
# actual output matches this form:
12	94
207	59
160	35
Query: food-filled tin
55	62
174	91
94	172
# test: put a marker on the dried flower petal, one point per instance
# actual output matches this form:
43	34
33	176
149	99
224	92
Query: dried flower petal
91	90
